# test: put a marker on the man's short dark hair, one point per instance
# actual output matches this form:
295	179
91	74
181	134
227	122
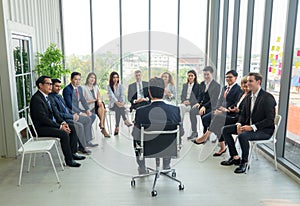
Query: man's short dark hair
41	80
233	72
157	87
208	69
257	76
74	74
55	81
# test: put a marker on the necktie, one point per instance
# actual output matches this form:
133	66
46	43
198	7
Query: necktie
251	107
226	92
76	92
63	105
50	108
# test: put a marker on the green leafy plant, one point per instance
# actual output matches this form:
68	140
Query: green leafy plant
51	63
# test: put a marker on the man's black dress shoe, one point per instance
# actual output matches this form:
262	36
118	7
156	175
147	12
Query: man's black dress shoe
89	144
78	157
73	164
219	154
231	161
241	168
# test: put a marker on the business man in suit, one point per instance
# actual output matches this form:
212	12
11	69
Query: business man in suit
138	92
228	98
73	96
208	94
157	112
190	93
48	122
81	123
256	122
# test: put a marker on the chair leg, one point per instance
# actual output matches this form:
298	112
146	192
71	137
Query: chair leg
34	157
21	169
155	180
58	181
29	162
275	156
60	161
249	158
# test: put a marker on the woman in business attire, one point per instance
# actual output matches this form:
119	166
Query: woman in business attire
117	100
220	120
92	95
170	89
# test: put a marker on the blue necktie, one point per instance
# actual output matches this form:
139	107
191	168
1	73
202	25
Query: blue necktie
49	105
63	104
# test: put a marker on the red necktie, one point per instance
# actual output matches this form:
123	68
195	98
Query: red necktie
76	93
226	92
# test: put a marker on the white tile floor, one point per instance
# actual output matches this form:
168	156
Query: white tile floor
104	179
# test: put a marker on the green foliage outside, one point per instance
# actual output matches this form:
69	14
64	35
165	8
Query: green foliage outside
51	63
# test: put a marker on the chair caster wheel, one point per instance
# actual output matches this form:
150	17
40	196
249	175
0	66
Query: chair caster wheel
132	183
153	193
181	187
173	174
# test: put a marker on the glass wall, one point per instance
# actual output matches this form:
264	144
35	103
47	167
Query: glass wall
229	35
77	35
259	7
292	143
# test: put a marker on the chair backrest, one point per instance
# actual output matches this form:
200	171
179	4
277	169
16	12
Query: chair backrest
19	126
277	121
160	141
33	127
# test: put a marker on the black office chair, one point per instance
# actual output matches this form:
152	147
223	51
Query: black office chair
159	141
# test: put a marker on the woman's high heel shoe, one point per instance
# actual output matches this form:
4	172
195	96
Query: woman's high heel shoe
105	133
127	123
217	154
116	131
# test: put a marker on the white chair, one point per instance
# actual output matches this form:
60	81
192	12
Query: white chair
273	140
32	146
36	137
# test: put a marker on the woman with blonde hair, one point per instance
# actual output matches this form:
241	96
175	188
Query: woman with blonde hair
170	89
92	95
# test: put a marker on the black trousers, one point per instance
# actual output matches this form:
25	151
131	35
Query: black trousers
68	141
218	121
244	139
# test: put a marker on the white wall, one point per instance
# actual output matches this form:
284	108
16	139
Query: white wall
39	19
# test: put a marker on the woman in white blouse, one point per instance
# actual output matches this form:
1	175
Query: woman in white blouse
117	100
92	95
170	89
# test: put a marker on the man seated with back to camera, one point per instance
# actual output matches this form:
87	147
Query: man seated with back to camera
157	112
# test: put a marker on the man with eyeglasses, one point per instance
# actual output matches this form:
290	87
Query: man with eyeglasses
48	123
228	98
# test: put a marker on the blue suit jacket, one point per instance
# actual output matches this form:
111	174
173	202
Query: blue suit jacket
72	101
61	106
232	97
157	112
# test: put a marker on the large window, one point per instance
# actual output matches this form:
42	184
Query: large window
292	149
23	72
259	7
229	35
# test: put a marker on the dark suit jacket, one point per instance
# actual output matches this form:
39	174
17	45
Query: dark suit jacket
156	113
194	95
263	113
72	101
61	106
132	91
209	98
232	97
41	114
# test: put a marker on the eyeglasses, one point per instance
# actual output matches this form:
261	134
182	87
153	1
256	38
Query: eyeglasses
48	83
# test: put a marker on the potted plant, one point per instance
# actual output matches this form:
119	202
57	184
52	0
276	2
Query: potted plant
51	63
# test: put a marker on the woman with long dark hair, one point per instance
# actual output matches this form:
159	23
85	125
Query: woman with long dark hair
92	95
117	100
